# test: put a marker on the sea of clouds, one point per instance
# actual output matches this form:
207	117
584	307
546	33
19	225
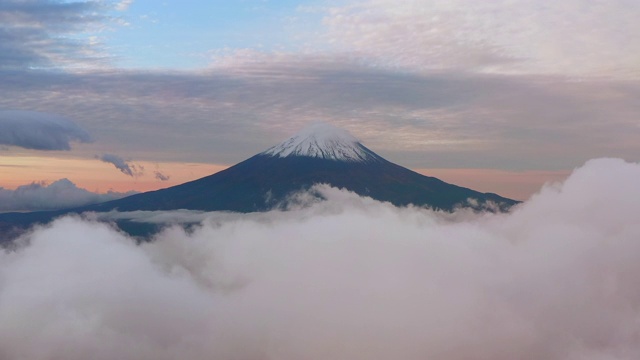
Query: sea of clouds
347	278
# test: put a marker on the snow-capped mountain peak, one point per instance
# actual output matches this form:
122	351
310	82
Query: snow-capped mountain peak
322	140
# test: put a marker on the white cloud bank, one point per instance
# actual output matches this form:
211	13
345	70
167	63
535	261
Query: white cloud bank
350	278
59	194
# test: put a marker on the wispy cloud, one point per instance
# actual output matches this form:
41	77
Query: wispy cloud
123	5
59	194
39	131
125	166
571	38
51	33
160	176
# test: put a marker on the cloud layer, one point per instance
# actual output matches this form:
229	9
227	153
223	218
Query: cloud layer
48	33
226	115
59	194
571	38
350	278
39	131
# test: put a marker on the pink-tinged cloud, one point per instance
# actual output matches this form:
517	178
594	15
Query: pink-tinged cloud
570	38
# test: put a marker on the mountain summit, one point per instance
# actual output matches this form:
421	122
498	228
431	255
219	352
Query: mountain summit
324	141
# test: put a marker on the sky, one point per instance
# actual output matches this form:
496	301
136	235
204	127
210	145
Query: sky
133	95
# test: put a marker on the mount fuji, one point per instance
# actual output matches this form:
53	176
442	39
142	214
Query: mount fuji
319	154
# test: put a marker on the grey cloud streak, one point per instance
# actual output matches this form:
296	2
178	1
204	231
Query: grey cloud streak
160	176
349	278
125	166
39	131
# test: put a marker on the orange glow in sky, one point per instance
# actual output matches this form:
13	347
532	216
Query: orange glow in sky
518	185
95	175
101	177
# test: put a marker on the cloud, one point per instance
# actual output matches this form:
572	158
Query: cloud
126	167
572	38
349	278
123	5
160	176
228	114
39	131
59	194
48	33
231	111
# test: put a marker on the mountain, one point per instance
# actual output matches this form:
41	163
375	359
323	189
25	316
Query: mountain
319	154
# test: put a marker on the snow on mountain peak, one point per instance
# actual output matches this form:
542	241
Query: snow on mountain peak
322	140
